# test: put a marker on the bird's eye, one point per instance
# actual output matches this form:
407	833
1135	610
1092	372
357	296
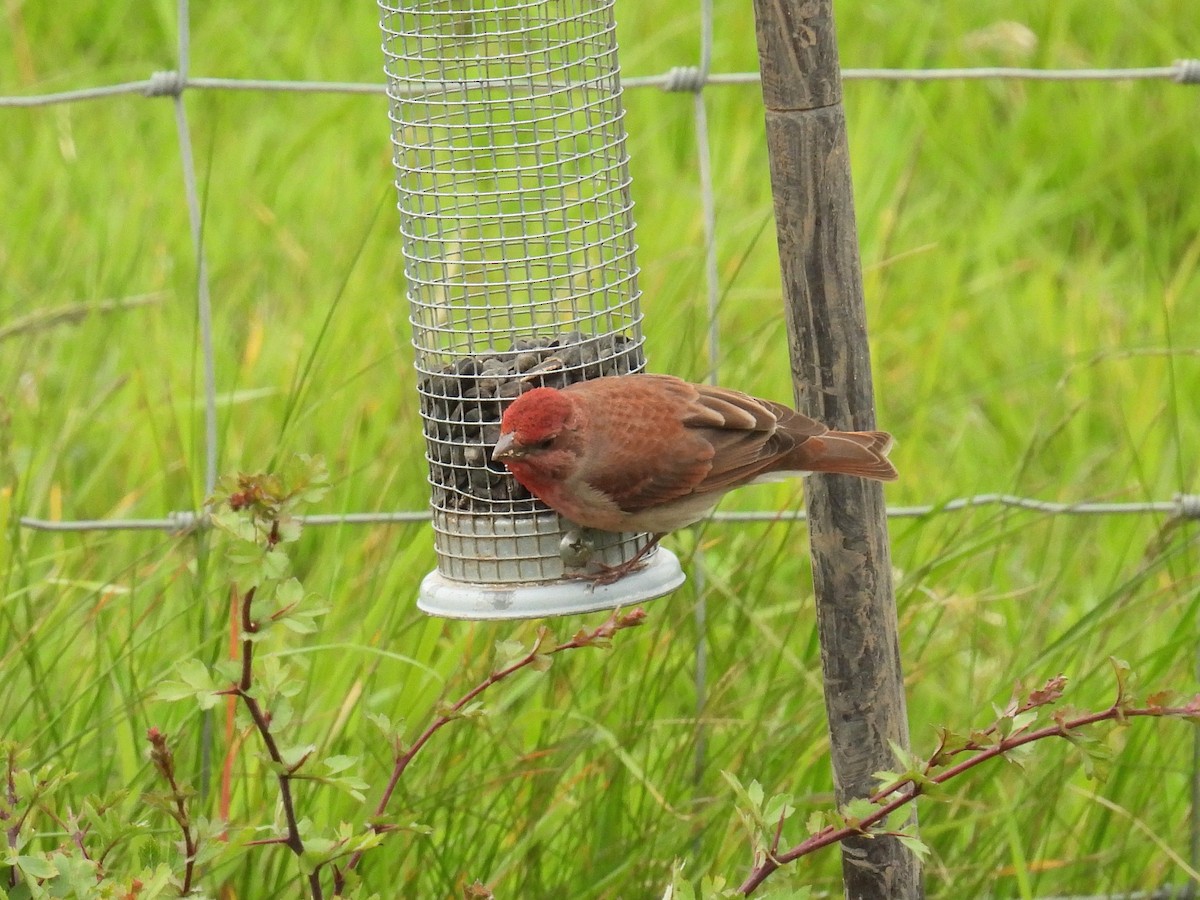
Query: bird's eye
543	444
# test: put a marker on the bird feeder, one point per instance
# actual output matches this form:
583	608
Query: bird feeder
519	255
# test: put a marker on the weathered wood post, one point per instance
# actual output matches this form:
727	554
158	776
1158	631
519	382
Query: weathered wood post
823	294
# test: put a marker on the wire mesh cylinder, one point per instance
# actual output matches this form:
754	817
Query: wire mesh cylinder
517	231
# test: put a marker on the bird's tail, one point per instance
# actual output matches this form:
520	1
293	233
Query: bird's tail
861	453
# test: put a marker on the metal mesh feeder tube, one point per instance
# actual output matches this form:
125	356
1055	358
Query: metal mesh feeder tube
517	229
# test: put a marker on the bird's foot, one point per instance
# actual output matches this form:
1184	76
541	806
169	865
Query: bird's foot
611	574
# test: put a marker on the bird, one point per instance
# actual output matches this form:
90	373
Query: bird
654	453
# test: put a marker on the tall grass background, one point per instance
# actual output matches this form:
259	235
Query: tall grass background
1031	257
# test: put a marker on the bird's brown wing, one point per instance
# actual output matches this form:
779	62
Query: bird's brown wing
748	435
662	438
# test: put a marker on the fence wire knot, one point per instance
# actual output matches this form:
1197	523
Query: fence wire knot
186	521
685	78
1187	71
1189	505
165	84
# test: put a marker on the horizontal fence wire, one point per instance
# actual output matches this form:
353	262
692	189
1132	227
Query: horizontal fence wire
679	78
1182	506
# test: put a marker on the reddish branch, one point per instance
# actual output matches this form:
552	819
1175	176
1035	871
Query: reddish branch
164	761
896	795
262	722
597	636
225	802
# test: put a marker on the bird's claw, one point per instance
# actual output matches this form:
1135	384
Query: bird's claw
611	574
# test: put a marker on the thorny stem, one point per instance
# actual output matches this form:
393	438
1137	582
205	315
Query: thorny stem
164	761
248	628
834	834
231	744
778	833
262	722
617	621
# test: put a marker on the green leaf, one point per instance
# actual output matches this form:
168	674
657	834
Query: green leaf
1125	679
195	681
294	756
172	691
274	564
367	840
320	845
392	731
738	789
816	822
779	807
276	678
857	810
984	739
298	624
754	791
24	783
235	524
75	875
472	710
950	742
679	889
36	866
290	592
508	652
337	764
713	887
282	714
885	778
303	619
195	674
154	883
307	477
1022	721
352	785
1095	756
914	844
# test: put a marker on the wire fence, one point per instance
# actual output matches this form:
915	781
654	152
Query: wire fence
691	79
694	79
687	79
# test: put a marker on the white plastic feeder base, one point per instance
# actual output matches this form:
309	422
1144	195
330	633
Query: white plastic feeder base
441	596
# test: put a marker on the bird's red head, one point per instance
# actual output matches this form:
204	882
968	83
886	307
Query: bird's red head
532	422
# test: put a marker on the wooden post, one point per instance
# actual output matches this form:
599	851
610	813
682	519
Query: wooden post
822	282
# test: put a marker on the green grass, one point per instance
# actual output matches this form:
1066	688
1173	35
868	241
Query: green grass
1032	264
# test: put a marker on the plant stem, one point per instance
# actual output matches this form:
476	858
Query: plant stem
835	834
583	638
262	722
248	627
164	760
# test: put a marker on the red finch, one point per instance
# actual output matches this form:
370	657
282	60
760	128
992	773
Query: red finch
653	453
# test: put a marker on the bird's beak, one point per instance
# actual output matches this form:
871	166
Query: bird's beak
506	447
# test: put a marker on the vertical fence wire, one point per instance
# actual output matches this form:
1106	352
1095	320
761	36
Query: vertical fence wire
175	86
